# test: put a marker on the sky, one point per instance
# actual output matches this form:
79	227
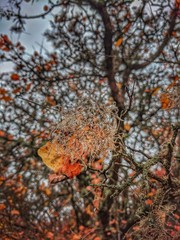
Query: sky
32	37
33	28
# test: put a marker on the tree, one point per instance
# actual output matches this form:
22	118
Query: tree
107	97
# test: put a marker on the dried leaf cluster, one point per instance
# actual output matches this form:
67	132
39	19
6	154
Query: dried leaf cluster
87	131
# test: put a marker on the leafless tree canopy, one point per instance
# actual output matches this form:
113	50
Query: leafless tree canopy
110	81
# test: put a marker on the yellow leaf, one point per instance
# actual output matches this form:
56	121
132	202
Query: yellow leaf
155	91
119	42
51	154
55	158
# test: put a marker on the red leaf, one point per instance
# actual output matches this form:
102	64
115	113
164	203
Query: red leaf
2	206
71	169
14	77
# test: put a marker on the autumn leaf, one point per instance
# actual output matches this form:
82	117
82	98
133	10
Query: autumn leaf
176	216
71	169
165	101
176	78
119	85
54	157
3	91
14	77
6	98
6	135
160	172
2	206
174	34
45	8
15	212
51	154
47	66
153	91
126	28
176	227
51	101
17	90
127	126
149	202
5	43
28	86
119	42
47	191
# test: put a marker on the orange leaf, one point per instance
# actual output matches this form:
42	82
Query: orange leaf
165	101
47	66
6	135
15	212
2	206
173	83
176	216
174	33
28	86
3	91
119	42
149	202
119	85
127	126
47	191
177	228
17	90
14	77
71	169
51	101
6	98
153	91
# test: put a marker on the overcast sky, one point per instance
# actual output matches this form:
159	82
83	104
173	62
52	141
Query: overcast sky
33	36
